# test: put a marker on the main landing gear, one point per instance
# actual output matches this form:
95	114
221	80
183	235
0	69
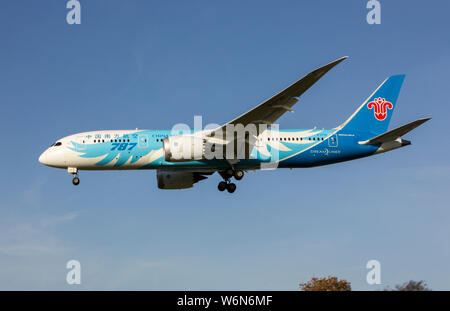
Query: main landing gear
227	184
74	172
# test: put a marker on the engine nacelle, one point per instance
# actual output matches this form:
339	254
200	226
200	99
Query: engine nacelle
177	180
183	148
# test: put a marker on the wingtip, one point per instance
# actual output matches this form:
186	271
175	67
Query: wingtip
423	120
341	59
337	61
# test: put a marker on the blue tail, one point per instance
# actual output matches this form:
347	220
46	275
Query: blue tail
374	115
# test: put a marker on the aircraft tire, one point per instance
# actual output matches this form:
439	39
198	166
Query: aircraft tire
238	175
75	181
231	187
222	186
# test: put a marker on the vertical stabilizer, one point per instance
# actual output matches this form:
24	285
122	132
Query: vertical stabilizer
374	115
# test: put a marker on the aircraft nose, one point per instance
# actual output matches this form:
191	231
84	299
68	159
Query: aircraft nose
43	158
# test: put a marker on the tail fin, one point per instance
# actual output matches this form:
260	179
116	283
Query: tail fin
374	115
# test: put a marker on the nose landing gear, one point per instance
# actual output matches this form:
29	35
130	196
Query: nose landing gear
74	171
76	181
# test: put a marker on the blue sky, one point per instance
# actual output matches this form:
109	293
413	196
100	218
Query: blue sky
152	64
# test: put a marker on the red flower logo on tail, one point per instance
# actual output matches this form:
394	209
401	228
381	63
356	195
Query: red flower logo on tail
380	106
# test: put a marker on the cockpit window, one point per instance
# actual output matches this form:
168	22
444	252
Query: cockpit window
57	144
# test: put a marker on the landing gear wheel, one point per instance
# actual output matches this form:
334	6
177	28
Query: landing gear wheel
229	173
238	174
231	187
222	186
75	181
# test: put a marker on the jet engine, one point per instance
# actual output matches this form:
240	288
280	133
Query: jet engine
183	148
177	180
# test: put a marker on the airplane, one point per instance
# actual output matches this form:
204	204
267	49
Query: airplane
182	158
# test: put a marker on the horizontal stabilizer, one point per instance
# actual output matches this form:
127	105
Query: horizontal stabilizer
395	133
